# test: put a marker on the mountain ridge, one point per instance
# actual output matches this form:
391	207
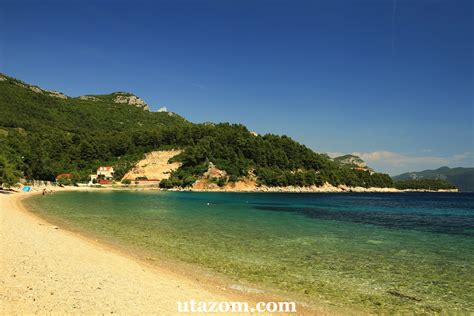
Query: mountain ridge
462	178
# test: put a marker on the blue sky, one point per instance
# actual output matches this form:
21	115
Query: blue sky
390	80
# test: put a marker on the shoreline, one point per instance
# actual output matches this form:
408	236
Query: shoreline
41	274
311	189
327	188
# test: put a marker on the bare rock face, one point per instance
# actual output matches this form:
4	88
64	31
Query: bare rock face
88	97
51	93
162	109
56	94
214	172
131	100
2	78
353	160
35	89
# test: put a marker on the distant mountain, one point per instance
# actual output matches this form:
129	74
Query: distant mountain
462	178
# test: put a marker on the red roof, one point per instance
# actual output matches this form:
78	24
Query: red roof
104	181
108	168
64	175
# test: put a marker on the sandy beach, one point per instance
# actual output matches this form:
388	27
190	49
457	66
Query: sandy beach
44	269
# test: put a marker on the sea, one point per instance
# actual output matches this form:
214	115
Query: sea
366	252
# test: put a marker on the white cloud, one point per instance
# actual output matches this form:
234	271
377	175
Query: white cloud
397	159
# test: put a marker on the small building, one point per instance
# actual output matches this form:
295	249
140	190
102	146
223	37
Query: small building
104	175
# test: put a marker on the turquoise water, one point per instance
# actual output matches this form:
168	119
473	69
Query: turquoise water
400	252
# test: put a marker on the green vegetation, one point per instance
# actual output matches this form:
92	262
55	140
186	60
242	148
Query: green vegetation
73	179
43	136
425	184
8	175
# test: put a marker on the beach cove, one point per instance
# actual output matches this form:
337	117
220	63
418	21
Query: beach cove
46	269
318	249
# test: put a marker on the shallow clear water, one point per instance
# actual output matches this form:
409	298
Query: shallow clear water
405	252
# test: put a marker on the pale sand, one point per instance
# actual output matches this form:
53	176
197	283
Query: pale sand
48	270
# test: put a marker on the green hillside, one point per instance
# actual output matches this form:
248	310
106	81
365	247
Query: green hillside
351	161
462	178
44	133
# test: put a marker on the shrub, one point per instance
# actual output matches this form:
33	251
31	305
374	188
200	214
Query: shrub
221	182
189	181
166	184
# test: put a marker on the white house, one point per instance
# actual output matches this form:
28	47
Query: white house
104	175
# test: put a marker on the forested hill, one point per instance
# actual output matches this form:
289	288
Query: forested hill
45	133
462	178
